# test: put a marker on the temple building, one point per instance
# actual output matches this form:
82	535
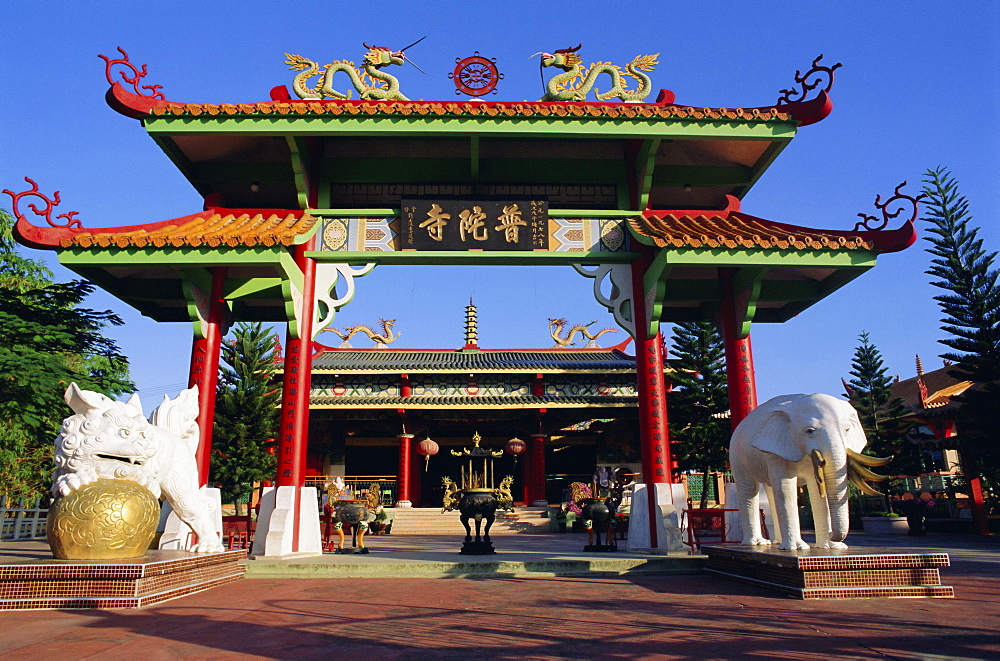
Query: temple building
370	409
929	397
304	196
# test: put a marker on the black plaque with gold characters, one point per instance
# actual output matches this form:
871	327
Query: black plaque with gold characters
450	224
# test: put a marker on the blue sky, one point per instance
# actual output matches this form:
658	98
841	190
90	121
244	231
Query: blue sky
918	89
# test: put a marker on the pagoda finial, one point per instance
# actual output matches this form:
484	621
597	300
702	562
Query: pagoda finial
921	384
471	334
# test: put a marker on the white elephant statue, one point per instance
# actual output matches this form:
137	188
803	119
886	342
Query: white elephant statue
792	440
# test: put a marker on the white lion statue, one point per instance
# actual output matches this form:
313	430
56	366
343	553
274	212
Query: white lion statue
109	439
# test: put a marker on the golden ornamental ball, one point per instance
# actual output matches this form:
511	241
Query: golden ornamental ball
105	520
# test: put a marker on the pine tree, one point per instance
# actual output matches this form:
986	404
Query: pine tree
246	413
699	399
883	417
971	305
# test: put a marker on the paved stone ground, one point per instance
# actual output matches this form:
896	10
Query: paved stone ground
697	617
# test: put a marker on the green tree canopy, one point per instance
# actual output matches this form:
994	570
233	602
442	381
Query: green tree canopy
699	401
970	303
246	413
49	341
883	416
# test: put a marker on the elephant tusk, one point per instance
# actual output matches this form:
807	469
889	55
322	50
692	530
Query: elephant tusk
867	474
865	460
857	481
818	463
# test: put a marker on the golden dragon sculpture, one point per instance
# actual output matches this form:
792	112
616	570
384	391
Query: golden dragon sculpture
450	499
381	340
576	81
369	80
556	327
505	498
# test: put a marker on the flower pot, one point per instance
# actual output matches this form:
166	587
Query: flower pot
885	525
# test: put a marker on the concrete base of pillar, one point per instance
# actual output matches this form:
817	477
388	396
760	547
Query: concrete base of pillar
175	535
539	503
403	503
276	523
670	499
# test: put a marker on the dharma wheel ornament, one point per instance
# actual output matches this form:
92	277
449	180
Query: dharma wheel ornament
515	446
427	448
475	75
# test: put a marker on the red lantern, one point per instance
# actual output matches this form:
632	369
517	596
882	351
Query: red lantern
515	446
427	448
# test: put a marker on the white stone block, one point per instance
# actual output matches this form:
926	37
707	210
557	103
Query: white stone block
276	523
669	500
177	535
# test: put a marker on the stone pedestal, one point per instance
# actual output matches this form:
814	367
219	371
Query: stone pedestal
833	573
276	525
175	535
885	525
483	547
669	499
132	583
600	548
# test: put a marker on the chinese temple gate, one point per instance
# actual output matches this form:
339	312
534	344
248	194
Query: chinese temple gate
304	195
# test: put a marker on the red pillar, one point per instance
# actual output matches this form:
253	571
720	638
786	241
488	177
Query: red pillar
534	469
204	371
654	435
296	383
403	480
739	355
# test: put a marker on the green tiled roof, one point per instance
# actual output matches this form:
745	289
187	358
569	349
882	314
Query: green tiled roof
415	361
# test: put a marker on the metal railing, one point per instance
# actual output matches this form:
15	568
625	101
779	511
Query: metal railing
23	521
358	485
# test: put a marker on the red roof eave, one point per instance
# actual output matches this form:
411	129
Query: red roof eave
881	241
52	238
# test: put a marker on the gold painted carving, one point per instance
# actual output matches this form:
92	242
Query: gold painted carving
104	520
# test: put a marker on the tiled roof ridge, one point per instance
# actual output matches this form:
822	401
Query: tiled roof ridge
464	400
473	108
213	227
733	229
944	395
548	351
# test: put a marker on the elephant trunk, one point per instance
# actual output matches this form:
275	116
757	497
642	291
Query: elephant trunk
835	476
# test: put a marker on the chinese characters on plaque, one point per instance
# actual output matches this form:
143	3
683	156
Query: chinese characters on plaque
444	224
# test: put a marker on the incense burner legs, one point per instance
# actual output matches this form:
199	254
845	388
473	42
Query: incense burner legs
478	505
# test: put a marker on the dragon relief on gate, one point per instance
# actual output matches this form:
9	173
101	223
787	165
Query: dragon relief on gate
556	327
576	81
369	80
381	340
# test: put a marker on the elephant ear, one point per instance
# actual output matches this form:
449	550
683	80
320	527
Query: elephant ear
775	436
855	438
